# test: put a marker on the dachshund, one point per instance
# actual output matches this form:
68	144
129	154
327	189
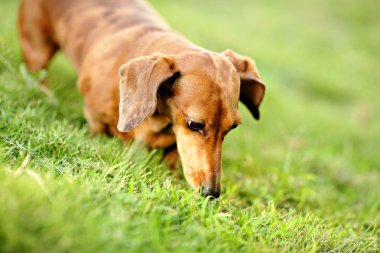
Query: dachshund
141	80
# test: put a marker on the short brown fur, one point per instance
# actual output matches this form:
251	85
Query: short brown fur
141	80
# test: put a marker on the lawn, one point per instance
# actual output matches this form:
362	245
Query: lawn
305	178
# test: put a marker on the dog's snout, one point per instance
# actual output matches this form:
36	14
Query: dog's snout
210	192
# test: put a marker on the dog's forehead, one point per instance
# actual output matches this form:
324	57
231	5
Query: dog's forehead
209	85
211	73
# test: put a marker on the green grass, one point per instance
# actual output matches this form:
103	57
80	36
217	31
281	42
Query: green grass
305	178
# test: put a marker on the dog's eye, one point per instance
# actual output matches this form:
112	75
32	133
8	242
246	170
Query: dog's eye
196	126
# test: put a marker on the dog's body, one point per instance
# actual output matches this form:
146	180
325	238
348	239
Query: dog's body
172	94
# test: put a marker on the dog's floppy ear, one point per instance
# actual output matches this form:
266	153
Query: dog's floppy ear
139	83
252	88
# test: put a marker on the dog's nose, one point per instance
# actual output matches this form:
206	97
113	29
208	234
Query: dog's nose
210	192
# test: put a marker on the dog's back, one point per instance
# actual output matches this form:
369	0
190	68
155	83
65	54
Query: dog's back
77	26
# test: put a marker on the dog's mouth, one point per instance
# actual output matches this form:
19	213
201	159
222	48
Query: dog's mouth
196	180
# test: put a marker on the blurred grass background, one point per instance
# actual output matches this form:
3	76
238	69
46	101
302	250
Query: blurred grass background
304	178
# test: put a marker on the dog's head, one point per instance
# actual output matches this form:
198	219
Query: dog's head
200	94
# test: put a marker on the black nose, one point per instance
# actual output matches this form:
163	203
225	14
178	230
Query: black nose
209	192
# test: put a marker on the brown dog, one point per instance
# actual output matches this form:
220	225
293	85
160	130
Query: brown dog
170	94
